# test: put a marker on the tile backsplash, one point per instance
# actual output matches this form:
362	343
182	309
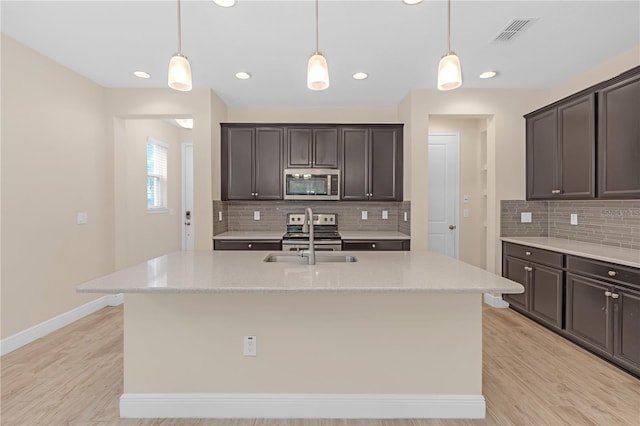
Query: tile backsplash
614	223
239	215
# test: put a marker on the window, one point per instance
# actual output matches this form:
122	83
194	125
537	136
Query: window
156	175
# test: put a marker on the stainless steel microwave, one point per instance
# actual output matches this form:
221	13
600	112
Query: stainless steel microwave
311	184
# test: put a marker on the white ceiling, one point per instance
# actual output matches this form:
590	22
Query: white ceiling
398	45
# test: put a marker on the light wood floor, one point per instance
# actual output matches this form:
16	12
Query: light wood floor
531	377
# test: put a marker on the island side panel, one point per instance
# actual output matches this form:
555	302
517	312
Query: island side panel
342	343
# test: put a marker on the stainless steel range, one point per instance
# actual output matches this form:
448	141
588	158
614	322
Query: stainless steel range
325	225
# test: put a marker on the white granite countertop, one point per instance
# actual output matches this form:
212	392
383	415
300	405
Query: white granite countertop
346	235
250	235
374	235
245	271
621	256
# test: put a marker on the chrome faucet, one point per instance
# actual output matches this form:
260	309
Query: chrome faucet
308	227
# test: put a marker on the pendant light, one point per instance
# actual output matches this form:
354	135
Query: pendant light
179	68
317	69
449	69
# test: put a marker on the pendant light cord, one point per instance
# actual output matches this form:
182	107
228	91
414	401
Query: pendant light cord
448	27
317	36
179	30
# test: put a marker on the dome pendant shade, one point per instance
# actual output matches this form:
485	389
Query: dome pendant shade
449	72
180	73
317	72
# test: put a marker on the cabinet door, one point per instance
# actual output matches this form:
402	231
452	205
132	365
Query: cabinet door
386	163
542	134
268	163
619	140
299	142
516	270
587	313
325	148
238	161
546	292
577	148
355	163
626	348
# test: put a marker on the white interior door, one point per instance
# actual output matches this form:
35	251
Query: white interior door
443	192
188	224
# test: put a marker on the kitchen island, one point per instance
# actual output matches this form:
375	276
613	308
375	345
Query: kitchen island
393	335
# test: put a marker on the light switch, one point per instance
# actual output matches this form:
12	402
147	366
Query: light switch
574	219
525	217
256	215
82	218
465	199
385	214
365	214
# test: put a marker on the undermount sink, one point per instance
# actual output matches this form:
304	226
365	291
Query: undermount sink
320	258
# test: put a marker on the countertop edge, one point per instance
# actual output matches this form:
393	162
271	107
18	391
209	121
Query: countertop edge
561	248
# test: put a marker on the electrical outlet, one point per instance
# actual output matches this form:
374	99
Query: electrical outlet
220	216
525	217
574	219
256	215
465	212
82	218
385	214
250	346
365	214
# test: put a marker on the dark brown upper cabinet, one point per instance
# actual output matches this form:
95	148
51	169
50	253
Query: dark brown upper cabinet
312	147
561	150
619	139
252	159
371	159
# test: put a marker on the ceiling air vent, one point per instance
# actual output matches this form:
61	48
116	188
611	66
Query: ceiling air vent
514	28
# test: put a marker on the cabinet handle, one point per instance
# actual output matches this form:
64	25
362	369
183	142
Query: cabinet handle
612	273
528	268
527	253
608	293
373	246
250	245
615	296
256	194
555	191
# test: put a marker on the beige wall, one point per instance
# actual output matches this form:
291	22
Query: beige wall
356	114
505	150
56	162
470	229
306	343
141	235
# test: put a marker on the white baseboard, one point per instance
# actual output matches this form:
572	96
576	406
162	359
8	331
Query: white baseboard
495	301
325	406
24	337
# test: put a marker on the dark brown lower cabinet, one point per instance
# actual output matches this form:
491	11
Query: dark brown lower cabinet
605	318
272	245
389	245
542	297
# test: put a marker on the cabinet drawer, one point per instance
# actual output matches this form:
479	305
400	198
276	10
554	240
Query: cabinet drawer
390	245
247	245
546	257
604	270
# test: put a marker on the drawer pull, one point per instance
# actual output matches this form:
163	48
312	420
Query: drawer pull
250	245
373	246
612	273
527	253
608	293
615	296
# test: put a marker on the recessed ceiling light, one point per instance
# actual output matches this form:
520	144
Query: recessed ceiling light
225	3
488	74
360	75
141	74
411	1
243	75
187	123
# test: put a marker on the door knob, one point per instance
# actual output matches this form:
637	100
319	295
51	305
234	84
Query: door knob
452	227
